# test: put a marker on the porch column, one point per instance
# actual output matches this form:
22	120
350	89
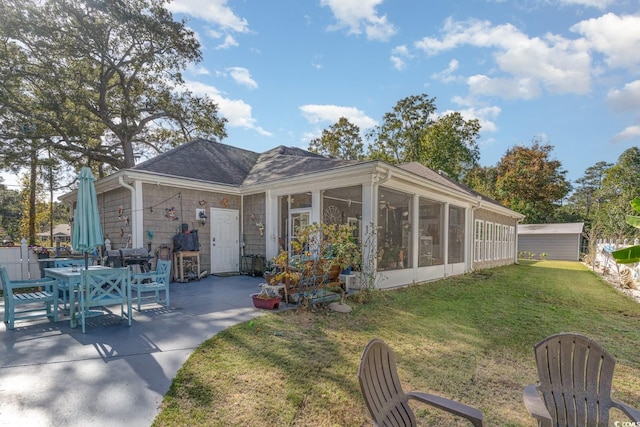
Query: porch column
445	239
316	206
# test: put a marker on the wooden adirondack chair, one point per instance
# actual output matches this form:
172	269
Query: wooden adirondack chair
36	303
153	281
575	376
101	288
387	402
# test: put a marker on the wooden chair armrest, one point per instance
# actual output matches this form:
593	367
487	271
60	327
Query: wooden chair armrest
630	412
534	403
460	409
33	283
139	277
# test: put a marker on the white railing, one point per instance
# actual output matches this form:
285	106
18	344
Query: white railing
20	261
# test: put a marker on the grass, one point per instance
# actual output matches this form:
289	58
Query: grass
468	338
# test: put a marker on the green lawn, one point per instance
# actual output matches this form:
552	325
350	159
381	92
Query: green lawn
468	338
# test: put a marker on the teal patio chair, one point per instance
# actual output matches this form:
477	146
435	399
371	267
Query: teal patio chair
63	288
40	302
153	281
102	288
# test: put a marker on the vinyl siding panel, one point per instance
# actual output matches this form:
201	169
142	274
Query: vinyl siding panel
558	246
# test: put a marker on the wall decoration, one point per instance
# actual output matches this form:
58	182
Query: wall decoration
126	220
224	202
332	215
202	202
170	213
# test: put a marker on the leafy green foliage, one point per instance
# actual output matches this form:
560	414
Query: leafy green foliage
341	140
531	183
100	80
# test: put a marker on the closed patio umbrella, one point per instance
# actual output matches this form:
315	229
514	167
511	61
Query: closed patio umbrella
87	234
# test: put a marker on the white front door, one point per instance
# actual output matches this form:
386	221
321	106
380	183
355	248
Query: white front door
225	234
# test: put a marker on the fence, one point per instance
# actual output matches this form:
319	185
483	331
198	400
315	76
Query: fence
20	261
607	264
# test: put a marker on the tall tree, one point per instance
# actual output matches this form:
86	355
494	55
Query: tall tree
620	185
341	140
102	79
531	183
583	197
10	213
450	145
483	180
398	138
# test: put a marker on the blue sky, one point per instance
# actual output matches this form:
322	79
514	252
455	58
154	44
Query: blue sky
564	71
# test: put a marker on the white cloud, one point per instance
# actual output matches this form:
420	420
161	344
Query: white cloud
625	99
398	56
632	132
486	115
598	4
242	76
359	16
446	75
236	111
316	114
558	64
616	37
213	11
508	88
229	41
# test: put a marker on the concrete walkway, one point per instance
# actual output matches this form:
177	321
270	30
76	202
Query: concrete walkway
114	375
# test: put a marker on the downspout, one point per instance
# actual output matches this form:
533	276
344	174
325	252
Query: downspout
134	240
516	240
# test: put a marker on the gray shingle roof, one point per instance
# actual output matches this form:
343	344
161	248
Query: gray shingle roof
285	162
223	164
203	160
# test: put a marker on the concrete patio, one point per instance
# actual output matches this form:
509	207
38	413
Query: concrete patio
114	375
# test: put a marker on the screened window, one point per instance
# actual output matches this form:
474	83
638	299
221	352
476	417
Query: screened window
456	234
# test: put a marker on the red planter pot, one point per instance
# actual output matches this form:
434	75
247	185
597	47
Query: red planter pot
266	303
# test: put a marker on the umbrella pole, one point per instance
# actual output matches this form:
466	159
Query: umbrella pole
86	260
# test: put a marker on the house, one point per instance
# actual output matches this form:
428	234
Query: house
558	241
61	233
239	203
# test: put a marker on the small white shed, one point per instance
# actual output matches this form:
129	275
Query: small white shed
559	241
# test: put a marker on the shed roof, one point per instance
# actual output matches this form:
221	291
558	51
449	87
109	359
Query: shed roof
566	228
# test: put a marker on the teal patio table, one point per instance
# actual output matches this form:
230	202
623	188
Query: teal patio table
70	277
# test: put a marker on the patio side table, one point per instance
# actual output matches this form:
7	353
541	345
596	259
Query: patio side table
187	263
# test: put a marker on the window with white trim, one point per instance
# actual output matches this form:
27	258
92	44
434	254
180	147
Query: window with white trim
478	243
488	254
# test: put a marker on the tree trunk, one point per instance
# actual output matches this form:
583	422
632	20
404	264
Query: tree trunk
32	195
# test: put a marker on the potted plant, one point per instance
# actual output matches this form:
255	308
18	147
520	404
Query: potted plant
265	300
